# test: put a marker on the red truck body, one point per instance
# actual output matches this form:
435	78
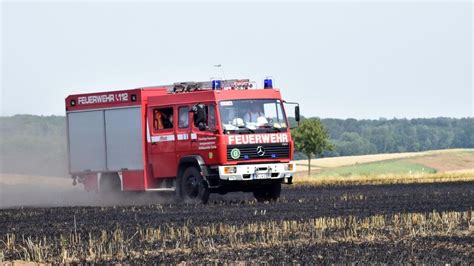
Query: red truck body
122	135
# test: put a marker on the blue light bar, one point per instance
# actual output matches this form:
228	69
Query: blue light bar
267	83
216	84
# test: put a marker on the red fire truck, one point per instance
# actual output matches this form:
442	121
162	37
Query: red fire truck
193	138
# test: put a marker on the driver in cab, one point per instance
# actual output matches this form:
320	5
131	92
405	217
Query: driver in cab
255	116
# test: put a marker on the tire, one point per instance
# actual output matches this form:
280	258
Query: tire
193	187
268	193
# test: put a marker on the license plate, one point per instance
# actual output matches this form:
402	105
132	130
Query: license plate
262	176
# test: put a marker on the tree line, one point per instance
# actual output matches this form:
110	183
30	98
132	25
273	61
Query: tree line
32	144
354	137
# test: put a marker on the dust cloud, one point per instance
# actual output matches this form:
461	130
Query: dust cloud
33	173
39	191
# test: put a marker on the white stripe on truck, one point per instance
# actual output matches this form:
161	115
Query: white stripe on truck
162	138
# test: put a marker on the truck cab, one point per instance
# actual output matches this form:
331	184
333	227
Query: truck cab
194	138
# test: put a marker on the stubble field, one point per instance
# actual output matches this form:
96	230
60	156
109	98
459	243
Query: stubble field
409	223
416	217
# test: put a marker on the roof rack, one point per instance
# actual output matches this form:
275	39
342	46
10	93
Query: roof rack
231	84
190	86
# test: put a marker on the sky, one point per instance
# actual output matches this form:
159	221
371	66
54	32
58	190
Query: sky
363	60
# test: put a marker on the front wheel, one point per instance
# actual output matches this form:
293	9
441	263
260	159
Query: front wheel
193	187
268	193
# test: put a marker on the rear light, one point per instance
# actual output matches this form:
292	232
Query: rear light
230	170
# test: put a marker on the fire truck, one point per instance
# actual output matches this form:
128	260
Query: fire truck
190	138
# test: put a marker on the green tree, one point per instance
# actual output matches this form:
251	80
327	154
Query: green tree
352	143
312	139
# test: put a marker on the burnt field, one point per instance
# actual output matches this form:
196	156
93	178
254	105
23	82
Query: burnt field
431	223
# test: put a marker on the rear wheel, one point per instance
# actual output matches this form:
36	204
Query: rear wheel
110	183
268	193
193	187
110	188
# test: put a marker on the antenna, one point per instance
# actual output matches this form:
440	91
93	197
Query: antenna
222	70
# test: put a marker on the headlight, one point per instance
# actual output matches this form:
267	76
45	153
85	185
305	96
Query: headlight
230	170
289	167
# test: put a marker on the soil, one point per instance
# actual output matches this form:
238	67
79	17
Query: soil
296	203
445	162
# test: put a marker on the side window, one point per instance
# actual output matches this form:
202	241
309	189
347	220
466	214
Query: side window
211	117
162	118
204	116
183	117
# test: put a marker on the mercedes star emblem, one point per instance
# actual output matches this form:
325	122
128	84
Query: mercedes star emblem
260	151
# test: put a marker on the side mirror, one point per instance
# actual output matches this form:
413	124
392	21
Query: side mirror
297	113
200	116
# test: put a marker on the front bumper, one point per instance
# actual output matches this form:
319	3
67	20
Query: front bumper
263	171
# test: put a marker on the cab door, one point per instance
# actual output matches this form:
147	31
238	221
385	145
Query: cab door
162	129
204	142
183	132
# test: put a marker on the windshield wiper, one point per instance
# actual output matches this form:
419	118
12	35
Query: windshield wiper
248	129
272	127
277	129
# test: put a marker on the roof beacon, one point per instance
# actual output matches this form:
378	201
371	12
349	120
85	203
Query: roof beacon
268	83
216	84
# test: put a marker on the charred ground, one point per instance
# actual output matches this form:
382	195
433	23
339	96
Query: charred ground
376	223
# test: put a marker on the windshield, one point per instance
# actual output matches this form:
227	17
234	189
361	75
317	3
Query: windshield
252	116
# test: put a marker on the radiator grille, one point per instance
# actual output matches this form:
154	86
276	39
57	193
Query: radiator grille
248	152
